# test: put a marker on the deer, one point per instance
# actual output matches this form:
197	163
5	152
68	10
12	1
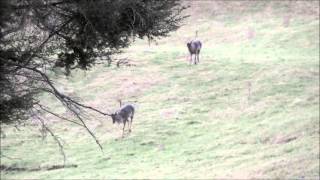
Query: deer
122	116
194	47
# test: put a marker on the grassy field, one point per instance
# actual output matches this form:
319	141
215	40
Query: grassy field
250	109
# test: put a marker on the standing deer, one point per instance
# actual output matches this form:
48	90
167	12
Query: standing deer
194	47
122	116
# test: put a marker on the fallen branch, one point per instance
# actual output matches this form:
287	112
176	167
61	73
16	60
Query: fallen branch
46	168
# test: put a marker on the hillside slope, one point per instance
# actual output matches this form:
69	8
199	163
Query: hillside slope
250	109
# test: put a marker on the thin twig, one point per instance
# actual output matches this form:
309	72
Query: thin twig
56	115
11	158
55	138
85	126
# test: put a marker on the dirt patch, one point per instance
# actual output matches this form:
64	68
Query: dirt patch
168	113
282	139
279	139
130	86
134	87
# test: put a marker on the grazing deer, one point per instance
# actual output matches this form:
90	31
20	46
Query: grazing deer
194	47
122	116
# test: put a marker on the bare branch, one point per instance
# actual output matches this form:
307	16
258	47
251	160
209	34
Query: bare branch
11	158
86	127
56	115
54	137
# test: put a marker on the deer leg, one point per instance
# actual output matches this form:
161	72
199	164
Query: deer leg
130	123
198	57
124	125
190	59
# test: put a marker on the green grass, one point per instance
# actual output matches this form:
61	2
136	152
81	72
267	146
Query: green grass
194	121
